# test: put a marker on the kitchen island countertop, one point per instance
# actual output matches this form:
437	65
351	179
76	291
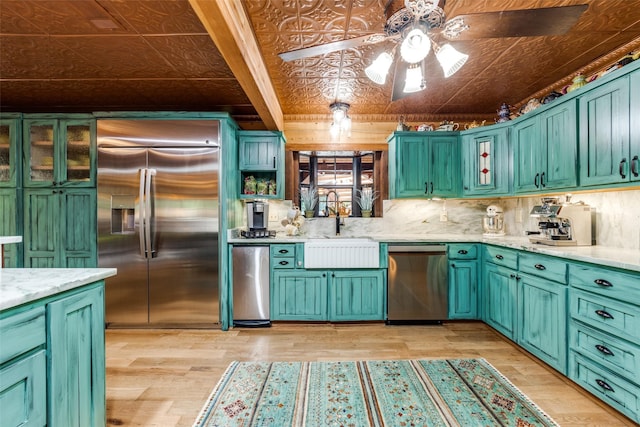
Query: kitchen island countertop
628	259
23	285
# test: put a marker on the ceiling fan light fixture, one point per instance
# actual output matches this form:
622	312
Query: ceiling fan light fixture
414	82
379	68
450	59
415	46
341	121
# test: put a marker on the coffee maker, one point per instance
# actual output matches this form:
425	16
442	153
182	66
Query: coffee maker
257	219
567	224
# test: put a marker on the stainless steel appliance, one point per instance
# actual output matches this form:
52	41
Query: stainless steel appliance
257	215
251	285
567	224
417	290
158	221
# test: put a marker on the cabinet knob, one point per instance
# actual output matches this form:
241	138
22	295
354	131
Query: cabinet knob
284	251
542	184
463	252
634	166
603	282
540	267
621	168
453	265
604	385
604	314
284	262
535	180
500	257
603	349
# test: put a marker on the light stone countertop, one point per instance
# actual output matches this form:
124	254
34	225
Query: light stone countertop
23	285
10	239
606	256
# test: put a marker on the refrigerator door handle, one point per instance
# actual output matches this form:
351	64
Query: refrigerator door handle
151	253
141	213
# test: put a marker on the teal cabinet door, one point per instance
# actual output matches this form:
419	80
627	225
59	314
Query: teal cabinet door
527	155
357	295
463	284
559	151
59	152
444	166
500	299
77	359
634	135
60	228
299	295
604	134
10	157
11	225
261	164
486	165
23	386
543	320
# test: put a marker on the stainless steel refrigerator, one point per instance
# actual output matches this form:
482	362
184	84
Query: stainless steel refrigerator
158	221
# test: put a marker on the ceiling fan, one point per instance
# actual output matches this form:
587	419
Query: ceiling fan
416	25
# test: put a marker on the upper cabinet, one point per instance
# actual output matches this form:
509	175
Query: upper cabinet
424	164
486	162
261	164
59	151
9	150
609	144
545	150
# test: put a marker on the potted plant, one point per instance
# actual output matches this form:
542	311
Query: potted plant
366	197
308	200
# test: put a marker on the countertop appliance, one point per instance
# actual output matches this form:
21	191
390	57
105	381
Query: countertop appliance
158	221
251	286
417	289
567	224
257	215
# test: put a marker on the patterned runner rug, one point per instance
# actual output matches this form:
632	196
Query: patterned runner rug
457	392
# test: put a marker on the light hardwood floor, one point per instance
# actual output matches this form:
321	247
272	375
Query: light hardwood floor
159	377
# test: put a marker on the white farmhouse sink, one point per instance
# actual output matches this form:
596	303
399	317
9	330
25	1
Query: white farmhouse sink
341	253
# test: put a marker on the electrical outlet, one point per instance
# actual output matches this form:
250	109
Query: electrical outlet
443	216
273	217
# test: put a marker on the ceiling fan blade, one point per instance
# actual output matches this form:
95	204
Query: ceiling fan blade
321	49
399	77
521	23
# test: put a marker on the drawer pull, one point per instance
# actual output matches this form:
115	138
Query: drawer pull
604	314
603	282
604	385
604	350
540	267
284	251
499	257
463	252
284	262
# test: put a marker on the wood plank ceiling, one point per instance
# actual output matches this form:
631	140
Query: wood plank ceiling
113	55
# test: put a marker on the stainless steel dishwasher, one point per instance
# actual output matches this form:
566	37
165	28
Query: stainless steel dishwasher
418	284
251	286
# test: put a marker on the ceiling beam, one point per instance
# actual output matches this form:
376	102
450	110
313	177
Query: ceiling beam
230	29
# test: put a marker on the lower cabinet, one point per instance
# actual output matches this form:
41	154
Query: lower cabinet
463	281
500	299
52	361
334	295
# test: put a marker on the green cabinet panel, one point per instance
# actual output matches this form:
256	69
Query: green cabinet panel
543	319
77	394
299	295
10	150
59	151
23	391
357	295
500	299
486	162
463	283
634	131
261	164
60	228
424	164
545	150
604	134
11	225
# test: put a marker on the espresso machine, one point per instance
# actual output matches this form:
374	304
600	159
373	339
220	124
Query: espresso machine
257	219
566	224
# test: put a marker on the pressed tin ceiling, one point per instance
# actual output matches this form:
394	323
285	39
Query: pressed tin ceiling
105	55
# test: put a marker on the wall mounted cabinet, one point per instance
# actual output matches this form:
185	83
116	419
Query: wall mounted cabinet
424	164
59	152
261	164
10	150
11	224
486	162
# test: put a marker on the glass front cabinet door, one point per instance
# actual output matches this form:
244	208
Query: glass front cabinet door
59	152
9	151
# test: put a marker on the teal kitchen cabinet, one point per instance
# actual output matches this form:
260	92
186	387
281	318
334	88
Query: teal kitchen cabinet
261	164
500	290
60	228
604	334
10	150
11	224
299	295
545	150
424	164
634	135
542	307
23	368
463	281
59	152
77	393
357	295
486	162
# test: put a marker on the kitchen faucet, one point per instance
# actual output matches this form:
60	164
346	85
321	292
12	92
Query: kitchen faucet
337	209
